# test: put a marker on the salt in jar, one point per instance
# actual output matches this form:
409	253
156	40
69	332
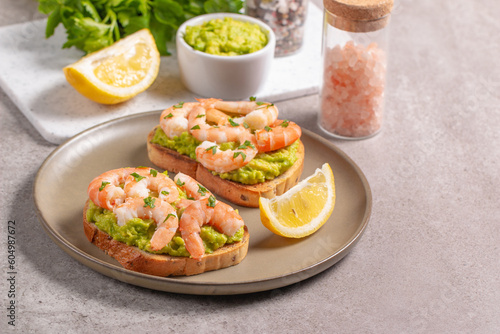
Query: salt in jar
354	67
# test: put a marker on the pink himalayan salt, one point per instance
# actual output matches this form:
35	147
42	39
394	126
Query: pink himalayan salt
352	96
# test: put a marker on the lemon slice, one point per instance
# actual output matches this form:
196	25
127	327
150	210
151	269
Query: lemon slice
303	209
118	72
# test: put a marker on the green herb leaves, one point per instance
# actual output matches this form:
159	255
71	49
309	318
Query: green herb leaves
93	24
168	216
245	145
179	105
202	190
212	148
149	201
103	185
137	177
211	201
243	155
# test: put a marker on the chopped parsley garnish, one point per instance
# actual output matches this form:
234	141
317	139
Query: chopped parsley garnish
168	216
164	192
212	201
285	123
264	105
245	125
202	190
168	116
200	115
196	127
213	148
246	144
233	123
267	128
252	98
153	172
149	201
103	185
137	177
180	183
243	155
179	105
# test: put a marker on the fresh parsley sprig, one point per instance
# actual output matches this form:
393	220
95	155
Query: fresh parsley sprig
94	24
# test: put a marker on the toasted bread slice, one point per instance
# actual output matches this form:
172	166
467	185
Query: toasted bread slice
133	258
237	193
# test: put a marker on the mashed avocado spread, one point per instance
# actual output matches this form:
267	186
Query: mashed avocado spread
226	37
138	232
264	167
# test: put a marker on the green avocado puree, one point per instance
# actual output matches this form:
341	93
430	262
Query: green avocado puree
138	232
226	37
264	167
184	144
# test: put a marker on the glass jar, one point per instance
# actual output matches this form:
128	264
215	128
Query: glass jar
287	19
354	67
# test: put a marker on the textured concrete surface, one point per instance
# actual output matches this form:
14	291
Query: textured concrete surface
429	261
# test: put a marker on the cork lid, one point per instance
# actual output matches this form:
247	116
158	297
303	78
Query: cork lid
365	15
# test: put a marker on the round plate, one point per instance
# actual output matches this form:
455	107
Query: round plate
60	192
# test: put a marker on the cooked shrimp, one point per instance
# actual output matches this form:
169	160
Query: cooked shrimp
207	211
195	216
193	188
216	116
144	180
282	134
105	190
212	157
237	107
208	103
226	220
258	114
160	211
202	131
173	120
183	203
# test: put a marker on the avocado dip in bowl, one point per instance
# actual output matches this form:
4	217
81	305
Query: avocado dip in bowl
224	55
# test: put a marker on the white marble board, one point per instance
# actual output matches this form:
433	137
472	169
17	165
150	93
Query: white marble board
31	74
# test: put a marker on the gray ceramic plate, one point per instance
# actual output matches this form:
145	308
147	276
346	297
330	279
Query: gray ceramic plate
60	192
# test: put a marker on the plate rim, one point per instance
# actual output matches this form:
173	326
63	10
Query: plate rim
208	287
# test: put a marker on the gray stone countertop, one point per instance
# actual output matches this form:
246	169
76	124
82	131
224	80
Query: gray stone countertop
429	261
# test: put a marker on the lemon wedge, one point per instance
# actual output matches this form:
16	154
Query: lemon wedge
118	72
303	209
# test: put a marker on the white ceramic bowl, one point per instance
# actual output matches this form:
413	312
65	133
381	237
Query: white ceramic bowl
224	77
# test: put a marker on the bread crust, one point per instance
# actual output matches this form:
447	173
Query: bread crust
237	193
133	258
162	156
